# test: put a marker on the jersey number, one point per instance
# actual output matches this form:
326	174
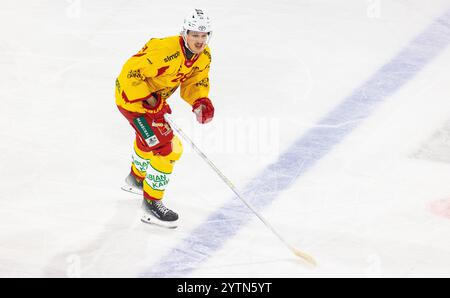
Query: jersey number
181	77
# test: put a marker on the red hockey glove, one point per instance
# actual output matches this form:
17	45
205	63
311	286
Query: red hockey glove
203	109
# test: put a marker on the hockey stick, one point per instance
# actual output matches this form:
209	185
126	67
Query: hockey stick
310	260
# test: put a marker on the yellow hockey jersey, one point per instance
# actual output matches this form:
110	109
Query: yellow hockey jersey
161	67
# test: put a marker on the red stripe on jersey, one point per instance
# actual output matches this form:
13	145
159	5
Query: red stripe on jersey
162	70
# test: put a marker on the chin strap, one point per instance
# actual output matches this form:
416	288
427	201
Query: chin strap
187	51
183	34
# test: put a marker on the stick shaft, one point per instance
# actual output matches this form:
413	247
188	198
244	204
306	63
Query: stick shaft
306	257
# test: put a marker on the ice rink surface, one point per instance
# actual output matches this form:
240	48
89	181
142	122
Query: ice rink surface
332	118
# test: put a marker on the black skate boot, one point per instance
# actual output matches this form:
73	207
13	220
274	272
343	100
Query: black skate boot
133	185
156	213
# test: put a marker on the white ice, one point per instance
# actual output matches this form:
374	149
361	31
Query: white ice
367	208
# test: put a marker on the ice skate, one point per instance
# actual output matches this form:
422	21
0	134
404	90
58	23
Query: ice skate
156	213
133	185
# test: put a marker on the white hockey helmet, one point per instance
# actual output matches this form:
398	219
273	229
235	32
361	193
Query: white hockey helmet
198	21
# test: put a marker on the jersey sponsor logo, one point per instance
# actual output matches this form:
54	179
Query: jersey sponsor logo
207	53
152	141
203	83
171	57
158	182
135	73
164	128
141	166
140	163
156	179
145	131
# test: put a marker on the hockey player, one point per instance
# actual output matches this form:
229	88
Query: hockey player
143	87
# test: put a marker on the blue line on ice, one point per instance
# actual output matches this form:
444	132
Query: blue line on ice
225	222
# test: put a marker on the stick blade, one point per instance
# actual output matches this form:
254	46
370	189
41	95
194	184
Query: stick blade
307	258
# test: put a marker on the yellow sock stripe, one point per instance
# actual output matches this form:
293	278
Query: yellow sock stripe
154	193
137	172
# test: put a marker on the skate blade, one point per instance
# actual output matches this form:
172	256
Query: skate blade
131	189
149	219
